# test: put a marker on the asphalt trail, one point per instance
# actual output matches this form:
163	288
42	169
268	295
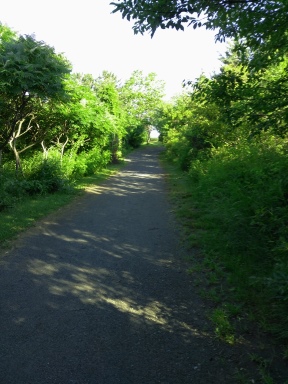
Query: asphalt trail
98	293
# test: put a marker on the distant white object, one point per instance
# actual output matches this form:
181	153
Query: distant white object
154	134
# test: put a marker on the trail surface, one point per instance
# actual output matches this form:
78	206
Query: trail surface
98	294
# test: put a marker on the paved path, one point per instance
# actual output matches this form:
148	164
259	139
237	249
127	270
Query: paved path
98	294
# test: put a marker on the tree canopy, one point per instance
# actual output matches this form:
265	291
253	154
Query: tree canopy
44	107
30	73
262	23
229	135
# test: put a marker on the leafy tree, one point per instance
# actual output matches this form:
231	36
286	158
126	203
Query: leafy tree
90	119
141	96
267	101
107	88
257	99
70	123
6	33
190	128
30	72
263	23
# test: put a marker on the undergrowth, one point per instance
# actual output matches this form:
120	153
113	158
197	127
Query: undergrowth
233	206
42	189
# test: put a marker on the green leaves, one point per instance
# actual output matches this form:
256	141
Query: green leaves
31	66
141	96
262	23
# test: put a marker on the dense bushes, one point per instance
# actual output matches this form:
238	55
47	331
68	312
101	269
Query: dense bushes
61	126
239	192
43	176
242	192
46	178
234	149
75	166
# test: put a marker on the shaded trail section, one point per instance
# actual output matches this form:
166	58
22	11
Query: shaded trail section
97	293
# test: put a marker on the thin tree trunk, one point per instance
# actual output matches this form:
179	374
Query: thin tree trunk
63	148
12	144
16	134
45	150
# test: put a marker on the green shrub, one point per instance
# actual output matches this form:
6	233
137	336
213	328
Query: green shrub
135	137
50	175
242	192
75	166
47	177
96	160
6	199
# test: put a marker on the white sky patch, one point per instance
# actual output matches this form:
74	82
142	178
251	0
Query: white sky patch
93	40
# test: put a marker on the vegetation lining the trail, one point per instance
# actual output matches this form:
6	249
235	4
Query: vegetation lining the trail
25	212
58	127
236	228
228	137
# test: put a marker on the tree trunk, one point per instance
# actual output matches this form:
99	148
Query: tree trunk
12	144
63	145
45	150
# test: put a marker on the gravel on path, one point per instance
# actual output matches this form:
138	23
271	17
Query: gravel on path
98	293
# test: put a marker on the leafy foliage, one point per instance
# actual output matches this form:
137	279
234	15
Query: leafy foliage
141	97
61	126
30	74
262	23
229	133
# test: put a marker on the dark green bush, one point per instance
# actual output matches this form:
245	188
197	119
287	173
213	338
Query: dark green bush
135	137
6	199
46	178
242	192
54	174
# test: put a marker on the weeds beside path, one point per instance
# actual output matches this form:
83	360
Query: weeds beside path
25	212
99	293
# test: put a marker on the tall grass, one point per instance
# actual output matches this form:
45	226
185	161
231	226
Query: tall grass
44	186
241	194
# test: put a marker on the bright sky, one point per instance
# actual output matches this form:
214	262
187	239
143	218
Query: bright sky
93	40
